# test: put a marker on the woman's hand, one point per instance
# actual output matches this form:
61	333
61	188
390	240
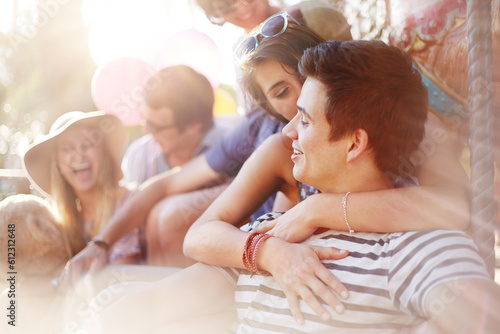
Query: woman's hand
294	226
298	270
92	258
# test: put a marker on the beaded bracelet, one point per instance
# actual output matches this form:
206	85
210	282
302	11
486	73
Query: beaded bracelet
344	206
255	252
246	250
250	251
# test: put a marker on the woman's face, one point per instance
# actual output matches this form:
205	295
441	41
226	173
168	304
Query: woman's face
246	14
280	86
79	155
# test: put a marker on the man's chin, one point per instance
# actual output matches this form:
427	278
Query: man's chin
297	174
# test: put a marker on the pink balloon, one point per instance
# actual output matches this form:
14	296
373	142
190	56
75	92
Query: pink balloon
117	88
192	48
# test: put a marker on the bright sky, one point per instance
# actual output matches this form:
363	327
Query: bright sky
5	9
138	28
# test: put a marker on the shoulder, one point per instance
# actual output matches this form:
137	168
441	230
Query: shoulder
222	125
272	161
422	260
420	253
140	145
276	147
252	123
430	241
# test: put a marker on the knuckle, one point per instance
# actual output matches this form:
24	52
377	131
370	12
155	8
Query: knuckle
308	298
323	291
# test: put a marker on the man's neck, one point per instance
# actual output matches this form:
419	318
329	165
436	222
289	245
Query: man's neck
363	180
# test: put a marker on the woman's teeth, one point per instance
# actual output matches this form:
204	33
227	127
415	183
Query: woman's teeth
80	167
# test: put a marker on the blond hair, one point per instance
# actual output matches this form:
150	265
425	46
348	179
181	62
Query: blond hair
68	207
32	231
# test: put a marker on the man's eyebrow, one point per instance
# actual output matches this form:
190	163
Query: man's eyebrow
274	86
303	111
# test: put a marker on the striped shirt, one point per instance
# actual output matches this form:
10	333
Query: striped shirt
388	277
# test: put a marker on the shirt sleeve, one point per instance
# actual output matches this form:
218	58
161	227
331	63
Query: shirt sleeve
422	260
227	155
135	162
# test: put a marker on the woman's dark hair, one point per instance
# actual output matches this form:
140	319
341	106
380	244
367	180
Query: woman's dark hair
286	49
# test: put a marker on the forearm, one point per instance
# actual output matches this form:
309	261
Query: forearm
132	213
213	238
194	175
392	210
216	243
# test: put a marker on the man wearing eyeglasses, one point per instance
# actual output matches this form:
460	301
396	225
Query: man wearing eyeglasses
178	107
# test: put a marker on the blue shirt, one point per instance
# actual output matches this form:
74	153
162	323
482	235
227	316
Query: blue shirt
228	154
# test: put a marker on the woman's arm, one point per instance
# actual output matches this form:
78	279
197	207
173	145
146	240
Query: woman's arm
211	239
440	202
193	175
214	239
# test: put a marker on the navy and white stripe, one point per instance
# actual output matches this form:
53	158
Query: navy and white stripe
388	276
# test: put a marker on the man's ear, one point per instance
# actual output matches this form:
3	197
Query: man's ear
359	144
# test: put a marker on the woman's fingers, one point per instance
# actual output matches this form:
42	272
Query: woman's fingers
266	226
293	301
327	278
91	258
312	293
333	283
329	253
331	289
313	302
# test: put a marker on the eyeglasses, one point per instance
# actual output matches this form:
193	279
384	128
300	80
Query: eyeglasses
274	26
155	129
225	7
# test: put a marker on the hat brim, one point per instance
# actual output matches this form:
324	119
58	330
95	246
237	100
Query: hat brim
38	158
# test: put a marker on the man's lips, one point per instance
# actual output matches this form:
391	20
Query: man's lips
296	153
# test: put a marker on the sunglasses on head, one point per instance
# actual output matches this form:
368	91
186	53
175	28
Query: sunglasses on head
274	26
